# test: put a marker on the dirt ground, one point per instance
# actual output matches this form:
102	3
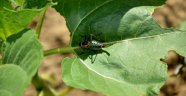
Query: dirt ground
55	34
171	15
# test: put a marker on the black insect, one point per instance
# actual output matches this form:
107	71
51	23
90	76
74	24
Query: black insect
90	43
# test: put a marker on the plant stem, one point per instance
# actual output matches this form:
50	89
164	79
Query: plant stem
41	86
40	22
59	51
65	91
41	18
37	83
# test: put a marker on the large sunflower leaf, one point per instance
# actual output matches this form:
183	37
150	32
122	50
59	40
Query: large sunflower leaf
97	16
132	69
126	62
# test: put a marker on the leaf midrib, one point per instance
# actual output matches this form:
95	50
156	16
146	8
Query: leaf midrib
146	37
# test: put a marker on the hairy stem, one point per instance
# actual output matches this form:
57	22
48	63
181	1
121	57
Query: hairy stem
59	51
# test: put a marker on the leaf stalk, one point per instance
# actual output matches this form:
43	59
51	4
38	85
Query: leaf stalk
59	51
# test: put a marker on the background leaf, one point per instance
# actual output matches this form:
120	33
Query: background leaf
24	50
26	4
5	4
36	3
17	2
15	21
12	75
8	4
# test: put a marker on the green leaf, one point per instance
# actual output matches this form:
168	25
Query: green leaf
13	80
5	93
18	2
5	4
36	3
132	69
8	3
15	21
24	50
97	16
138	22
182	26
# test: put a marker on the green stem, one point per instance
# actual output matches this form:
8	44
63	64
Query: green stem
41	86
59	51
40	22
65	91
41	18
37	83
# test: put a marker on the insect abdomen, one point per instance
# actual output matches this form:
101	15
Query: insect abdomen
96	45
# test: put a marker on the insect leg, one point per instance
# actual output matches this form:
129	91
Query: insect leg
105	52
92	58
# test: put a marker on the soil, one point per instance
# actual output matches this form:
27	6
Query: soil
55	34
172	14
